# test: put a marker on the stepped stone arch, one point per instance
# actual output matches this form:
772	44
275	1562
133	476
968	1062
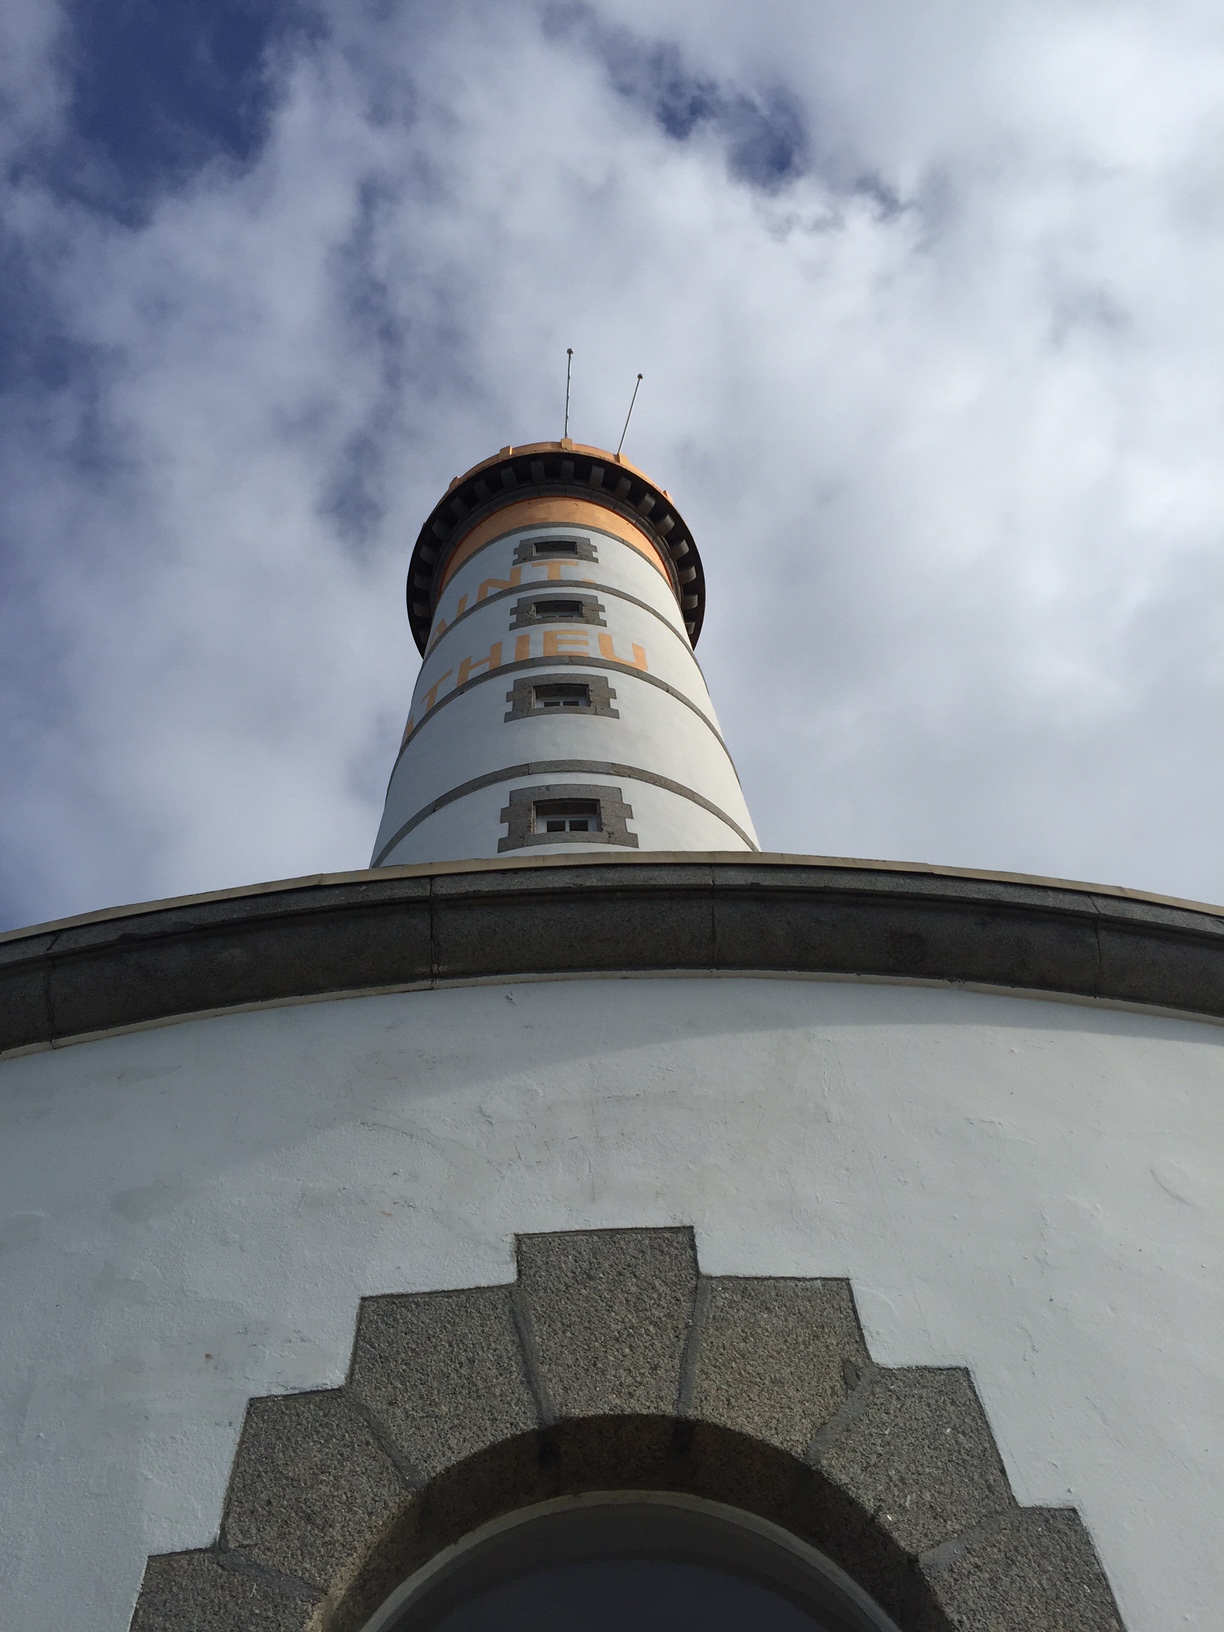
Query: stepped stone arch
612	1363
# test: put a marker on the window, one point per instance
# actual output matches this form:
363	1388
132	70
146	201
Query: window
553	549
567	813
560	694
605	1563
550	694
532	609
567	816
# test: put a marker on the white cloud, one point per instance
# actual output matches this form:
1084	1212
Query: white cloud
952	460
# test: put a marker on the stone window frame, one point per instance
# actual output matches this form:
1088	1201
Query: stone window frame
544	549
591	609
519	816
523	706
612	1363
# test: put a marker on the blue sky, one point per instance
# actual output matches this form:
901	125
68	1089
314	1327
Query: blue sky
927	302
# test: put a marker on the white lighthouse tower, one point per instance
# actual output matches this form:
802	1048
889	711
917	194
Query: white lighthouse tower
580	1218
556	596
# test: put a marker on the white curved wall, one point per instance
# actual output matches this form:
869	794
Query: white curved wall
665	728
1031	1188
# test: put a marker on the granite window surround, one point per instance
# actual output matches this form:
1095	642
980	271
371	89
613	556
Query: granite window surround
525	703
520	816
558	607
574	548
612	1363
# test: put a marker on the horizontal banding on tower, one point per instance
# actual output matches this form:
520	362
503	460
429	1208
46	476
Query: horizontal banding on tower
564	561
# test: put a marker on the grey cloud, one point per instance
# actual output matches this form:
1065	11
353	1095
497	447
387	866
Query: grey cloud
764	132
965	601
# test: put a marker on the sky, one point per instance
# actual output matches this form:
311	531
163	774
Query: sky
928	304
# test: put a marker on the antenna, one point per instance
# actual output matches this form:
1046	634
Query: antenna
569	363
628	416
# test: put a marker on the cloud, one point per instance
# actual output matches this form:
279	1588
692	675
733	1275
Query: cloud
927	307
762	132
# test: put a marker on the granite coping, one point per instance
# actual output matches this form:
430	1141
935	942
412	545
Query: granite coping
400	928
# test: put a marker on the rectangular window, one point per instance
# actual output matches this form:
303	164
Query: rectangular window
553	549
582	813
560	694
530	610
567	816
529	697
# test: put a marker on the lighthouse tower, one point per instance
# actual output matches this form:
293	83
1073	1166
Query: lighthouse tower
556	596
581	1218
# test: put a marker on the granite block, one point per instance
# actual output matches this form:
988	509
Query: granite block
1035	1571
919	1455
773	1355
443	1373
609	1314
310	1486
194	1592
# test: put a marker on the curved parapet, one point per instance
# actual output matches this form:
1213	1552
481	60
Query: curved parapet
414	927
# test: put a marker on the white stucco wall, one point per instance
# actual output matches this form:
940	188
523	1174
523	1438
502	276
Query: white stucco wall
672	733
1031	1188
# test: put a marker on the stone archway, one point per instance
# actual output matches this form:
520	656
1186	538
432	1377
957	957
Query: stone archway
612	1363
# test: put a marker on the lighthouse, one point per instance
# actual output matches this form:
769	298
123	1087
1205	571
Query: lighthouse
556	596
581	1217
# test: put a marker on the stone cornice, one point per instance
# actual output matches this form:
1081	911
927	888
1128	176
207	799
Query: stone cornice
446	923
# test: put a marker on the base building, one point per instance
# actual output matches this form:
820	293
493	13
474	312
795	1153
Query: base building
583	1217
